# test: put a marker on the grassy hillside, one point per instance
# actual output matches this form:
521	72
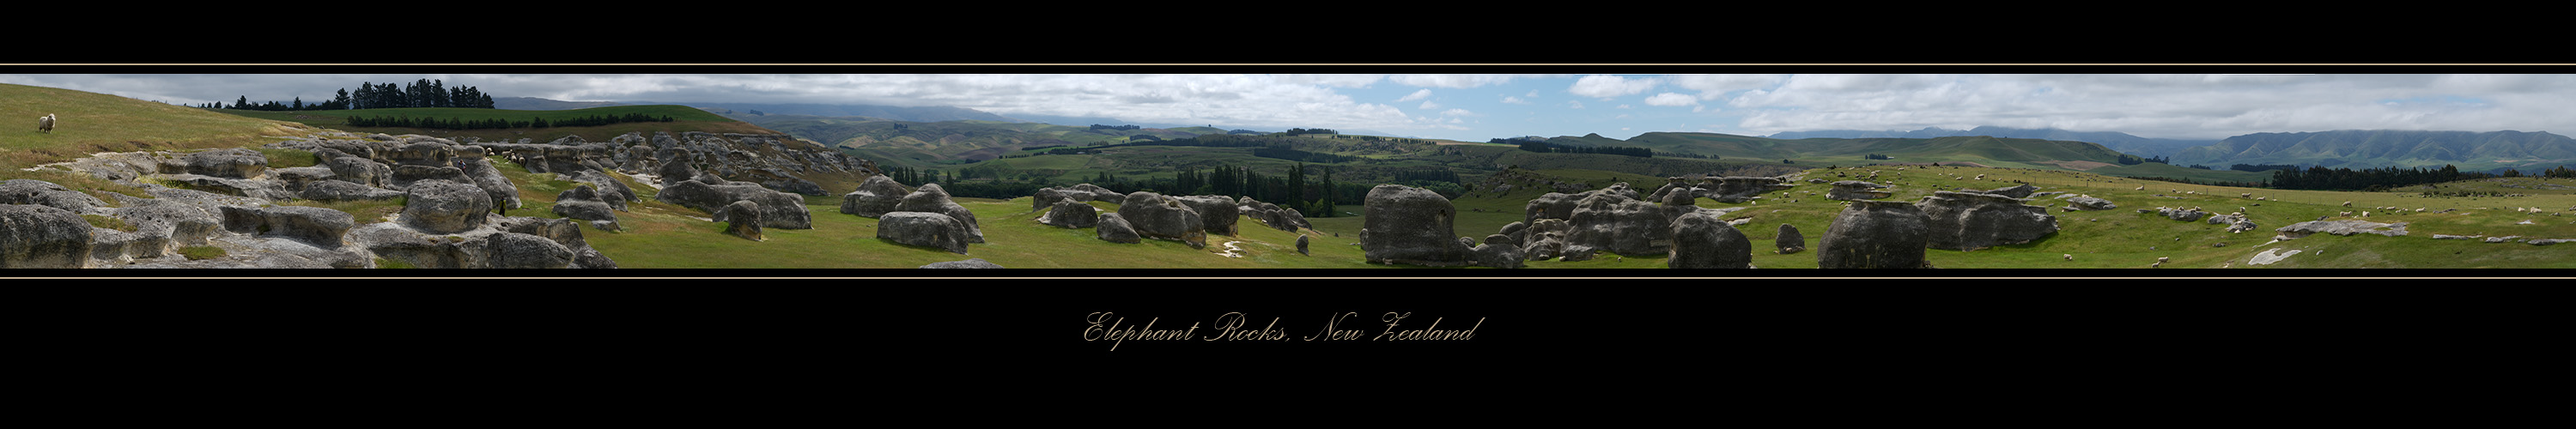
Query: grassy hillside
93	122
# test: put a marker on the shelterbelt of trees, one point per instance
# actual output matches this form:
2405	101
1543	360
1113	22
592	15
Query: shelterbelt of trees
423	93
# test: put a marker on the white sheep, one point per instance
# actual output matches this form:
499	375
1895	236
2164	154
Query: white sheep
45	123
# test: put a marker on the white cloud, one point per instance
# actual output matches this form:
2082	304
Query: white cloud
1514	100
1457	80
1416	95
1426	105
1458	112
1606	86
1672	99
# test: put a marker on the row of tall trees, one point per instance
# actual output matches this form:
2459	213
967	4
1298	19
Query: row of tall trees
424	93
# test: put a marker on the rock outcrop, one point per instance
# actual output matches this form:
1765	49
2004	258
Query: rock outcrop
1848	190
1789	240
742	219
1408	225
1971	220
36	236
1114	228
1701	239
778	209
445	207
1071	214
1875	234
972	263
875	196
1735	189
923	229
1161	217
931	198
2342	227
1217	213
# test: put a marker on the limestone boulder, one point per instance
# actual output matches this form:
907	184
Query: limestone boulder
1701	239
510	250
315	225
2342	227
933	199
1789	240
1617	224
742	219
1971	220
1217	214
1408	225
1068	213
1739	189
925	229
49	194
335	190
1496	255
1114	228
35	236
875	196
2089	203
778	209
1875	234
445	207
230	163
974	263
1848	190
1161	217
1544	239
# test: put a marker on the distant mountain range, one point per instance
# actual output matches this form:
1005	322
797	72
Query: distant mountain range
2123	142
2360	149
2492	151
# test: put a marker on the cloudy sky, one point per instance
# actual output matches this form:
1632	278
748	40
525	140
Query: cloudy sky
1477	107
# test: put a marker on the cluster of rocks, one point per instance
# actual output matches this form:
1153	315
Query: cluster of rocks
1148	215
443	224
923	216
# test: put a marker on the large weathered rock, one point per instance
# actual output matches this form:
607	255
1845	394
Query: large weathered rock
1408	225
2089	203
520	251
1071	214
1849	190
1971	220
923	229
2342	227
969	263
405	175
480	172
49	194
359	170
334	190
318	226
1496	255
1161	217
1875	234
445	207
875	196
34	236
778	209
933	199
1114	228
1544	239
230	163
1789	241
1615	223
1735	189
2018	191
1217	214
585	204
742	219
1701	239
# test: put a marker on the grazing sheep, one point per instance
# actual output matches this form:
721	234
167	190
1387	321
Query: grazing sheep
2068	256
45	123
